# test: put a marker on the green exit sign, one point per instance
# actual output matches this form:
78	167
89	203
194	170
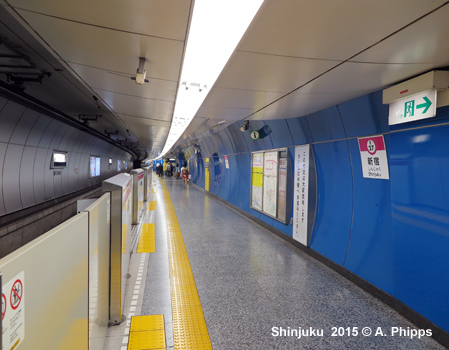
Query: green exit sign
414	107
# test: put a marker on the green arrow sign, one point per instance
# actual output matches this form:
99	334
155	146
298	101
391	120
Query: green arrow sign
425	105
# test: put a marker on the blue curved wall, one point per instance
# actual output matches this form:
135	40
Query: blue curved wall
392	233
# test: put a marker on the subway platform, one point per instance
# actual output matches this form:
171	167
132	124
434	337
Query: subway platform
209	278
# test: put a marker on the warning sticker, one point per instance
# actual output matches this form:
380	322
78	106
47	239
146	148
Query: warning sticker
13	312
3	306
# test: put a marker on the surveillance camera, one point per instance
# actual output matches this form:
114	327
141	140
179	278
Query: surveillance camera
140	77
245	126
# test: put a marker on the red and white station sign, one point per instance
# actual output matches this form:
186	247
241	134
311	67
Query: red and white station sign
373	155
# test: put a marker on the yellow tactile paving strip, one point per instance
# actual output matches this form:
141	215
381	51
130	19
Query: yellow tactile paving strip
147	239
189	325
152	205
147	333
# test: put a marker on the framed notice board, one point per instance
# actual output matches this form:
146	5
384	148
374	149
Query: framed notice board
269	182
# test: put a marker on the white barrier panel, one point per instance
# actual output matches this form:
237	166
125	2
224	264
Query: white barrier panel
45	290
146	183
138	191
122	241
99	241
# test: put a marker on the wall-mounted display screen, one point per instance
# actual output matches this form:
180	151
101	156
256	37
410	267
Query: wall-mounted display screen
59	160
119	168
95	163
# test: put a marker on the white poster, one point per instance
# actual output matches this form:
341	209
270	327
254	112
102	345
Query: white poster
270	183
373	155
282	195
13	312
301	194
257	180
226	162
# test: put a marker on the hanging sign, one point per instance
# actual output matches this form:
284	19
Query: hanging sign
255	135
415	107
373	155
301	194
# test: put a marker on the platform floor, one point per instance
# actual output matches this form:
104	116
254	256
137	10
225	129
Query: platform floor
256	290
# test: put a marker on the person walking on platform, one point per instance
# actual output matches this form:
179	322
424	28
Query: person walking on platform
169	167
159	169
184	175
177	171
164	169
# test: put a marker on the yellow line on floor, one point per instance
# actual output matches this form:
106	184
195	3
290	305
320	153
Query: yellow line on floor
189	325
147	241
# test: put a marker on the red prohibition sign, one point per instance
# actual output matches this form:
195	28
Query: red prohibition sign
3	303
16	294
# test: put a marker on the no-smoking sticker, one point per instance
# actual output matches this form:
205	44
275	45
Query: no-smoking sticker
16	294
3	306
13	312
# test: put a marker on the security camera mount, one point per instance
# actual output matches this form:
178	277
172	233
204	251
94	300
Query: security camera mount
141	73
245	126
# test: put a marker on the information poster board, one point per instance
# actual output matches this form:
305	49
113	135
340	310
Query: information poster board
257	181
207	176
301	194
282	191
270	183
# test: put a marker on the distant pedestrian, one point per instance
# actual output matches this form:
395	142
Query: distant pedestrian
164	168
177	170
169	169
184	175
159	169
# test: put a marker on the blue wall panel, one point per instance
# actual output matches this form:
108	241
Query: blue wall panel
299	130
326	125
242	180
370	252
365	115
280	133
334	202
420	210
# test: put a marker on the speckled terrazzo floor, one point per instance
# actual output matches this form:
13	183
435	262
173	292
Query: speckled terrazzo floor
251	283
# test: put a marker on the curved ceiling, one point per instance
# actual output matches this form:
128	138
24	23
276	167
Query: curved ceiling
297	57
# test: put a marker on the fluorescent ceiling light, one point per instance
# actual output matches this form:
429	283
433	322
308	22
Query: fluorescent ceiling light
216	28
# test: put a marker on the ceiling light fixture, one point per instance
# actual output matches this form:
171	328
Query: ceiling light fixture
212	40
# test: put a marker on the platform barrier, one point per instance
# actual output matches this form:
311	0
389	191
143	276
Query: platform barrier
45	290
99	241
138	193
147	183
122	243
